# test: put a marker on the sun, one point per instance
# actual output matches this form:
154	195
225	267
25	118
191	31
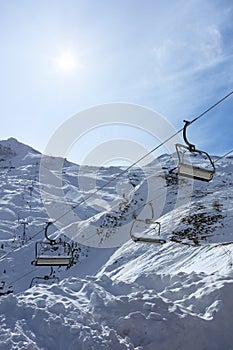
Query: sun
66	62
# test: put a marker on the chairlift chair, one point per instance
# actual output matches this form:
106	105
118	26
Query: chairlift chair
51	278
52	252
189	170
146	230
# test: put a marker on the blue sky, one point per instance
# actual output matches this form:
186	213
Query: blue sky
175	57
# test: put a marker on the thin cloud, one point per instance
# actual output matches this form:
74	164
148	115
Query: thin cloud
180	58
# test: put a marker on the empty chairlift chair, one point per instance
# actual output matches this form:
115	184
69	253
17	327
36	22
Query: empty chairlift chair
52	252
186	168
48	279
146	230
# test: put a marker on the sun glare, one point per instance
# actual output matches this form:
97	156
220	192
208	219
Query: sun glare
67	62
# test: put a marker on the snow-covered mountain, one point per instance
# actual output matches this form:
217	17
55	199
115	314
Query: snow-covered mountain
117	294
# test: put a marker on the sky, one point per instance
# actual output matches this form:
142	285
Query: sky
61	57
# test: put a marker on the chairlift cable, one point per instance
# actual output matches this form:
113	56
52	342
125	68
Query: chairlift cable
211	107
225	155
129	167
156	198
143	205
24	275
143	157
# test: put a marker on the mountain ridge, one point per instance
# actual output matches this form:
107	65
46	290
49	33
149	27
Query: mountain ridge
136	296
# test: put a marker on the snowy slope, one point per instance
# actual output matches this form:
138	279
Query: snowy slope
101	314
138	296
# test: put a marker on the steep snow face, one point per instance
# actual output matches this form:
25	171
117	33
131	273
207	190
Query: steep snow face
198	237
140	296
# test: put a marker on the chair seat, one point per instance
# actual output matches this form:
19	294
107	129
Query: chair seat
195	172
46	260
147	239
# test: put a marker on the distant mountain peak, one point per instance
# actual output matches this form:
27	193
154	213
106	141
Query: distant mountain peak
12	147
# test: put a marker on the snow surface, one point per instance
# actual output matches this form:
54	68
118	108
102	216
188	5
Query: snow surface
136	296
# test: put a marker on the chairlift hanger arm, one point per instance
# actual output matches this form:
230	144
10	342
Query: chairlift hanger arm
191	147
46	234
